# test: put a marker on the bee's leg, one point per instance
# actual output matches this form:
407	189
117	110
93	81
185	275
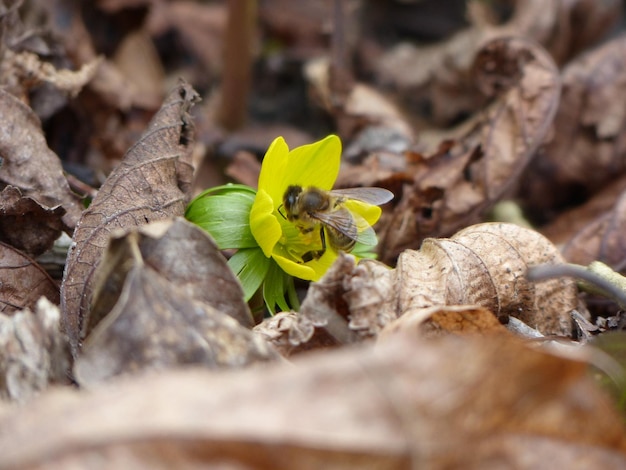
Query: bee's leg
323	240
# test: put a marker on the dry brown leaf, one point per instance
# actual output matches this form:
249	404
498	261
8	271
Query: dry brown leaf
23	282
164	296
304	26
182	254
460	182
439	76
65	19
570	222
150	184
26	224
456	402
363	108
200	25
602	239
29	165
486	265
245	169
588	149
29	71
483	265
33	352
348	304
441	320
138	61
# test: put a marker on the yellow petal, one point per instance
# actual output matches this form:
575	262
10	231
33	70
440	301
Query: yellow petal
309	271
273	170
316	164
263	224
369	212
320	266
301	271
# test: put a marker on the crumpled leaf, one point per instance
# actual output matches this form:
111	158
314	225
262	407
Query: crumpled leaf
486	264
29	165
384	407
179	252
29	69
23	282
33	351
437	76
150	184
481	266
26	224
459	183
29	57
164	296
66	21
588	149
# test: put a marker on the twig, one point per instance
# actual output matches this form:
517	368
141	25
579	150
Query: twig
597	279
236	78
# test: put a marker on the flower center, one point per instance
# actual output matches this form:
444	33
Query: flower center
296	243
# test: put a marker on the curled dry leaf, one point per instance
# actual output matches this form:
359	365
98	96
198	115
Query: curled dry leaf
457	185
23	282
66	21
29	71
486	265
483	265
439	75
589	145
346	305
164	296
29	165
33	351
150	184
383	407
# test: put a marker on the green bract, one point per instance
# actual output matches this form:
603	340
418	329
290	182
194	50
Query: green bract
270	249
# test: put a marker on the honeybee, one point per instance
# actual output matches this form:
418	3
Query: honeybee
311	208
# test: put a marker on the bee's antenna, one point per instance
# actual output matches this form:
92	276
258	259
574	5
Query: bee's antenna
281	212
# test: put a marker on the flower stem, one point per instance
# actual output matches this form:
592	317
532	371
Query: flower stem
292	295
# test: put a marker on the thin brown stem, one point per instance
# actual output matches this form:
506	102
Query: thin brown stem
341	79
238	45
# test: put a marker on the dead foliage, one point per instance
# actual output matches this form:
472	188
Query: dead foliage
356	408
440	354
150	184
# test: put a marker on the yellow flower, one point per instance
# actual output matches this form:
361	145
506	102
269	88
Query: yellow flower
315	165
271	250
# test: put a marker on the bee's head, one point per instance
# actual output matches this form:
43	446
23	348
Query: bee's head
290	199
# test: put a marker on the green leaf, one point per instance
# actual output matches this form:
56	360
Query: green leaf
363	251
251	266
275	287
224	212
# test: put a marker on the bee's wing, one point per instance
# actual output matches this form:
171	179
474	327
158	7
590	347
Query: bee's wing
374	196
348	223
341	220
